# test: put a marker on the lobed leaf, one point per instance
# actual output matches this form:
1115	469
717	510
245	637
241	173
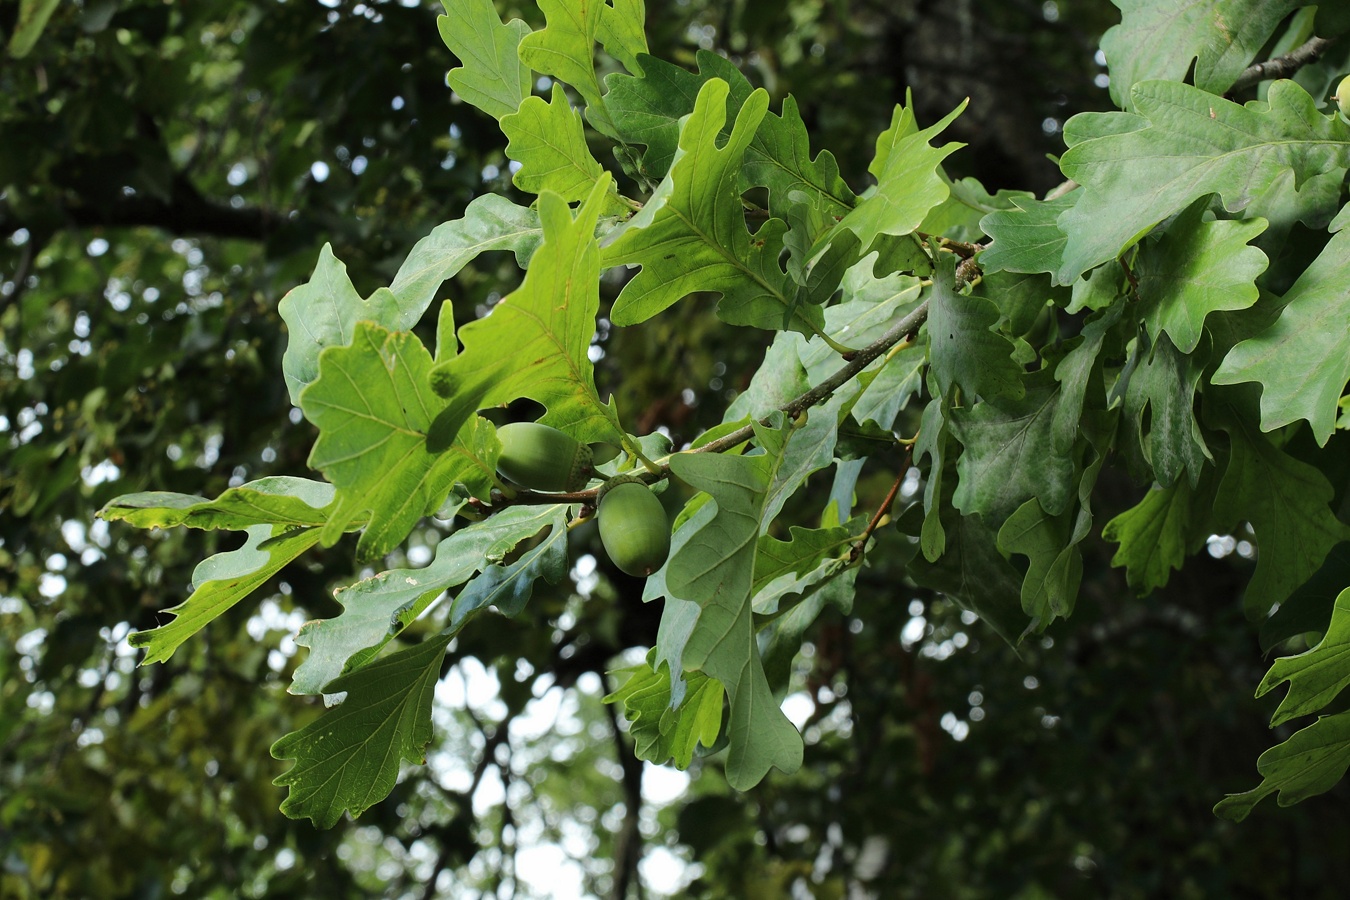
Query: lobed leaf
1302	361
691	235
1309	763
221	581
274	500
378	609
1194	269
1153	536
565	49
1163	40
1181	144
714	568
536	341
664	730
1317	676
492	76
548	141
1287	503
373	405
348	758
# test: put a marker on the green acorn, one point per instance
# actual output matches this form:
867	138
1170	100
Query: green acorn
541	458
633	526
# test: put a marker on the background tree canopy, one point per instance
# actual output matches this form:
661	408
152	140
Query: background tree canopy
169	171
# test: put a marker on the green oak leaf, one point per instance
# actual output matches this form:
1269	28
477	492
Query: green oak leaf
909	183
810	448
548	141
1317	676
221	581
779	159
779	378
1163	40
834	584
959	216
1181	144
490	222
565	49
1287	503
1196	268
663	731
975	575
373	405
536	341
1009	454
1026	238
1302	361
933	442
492	77
623	32
691	235
647	109
348	758
377	609
508	586
1163	383
275	500
323	312
1153	536
1309	763
965	347
715	569
1079	370
1055	565
783	567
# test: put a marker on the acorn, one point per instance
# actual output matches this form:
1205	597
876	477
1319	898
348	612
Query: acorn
543	458
633	526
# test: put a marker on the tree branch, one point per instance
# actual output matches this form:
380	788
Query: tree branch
628	842
187	212
1282	66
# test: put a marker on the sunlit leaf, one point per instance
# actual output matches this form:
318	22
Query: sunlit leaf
373	405
275	500
491	76
536	341
1164	40
221	581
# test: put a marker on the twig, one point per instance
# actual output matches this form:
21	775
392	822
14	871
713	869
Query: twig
885	507
1282	66
907	326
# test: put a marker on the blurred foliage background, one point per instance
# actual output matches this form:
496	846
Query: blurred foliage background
168	170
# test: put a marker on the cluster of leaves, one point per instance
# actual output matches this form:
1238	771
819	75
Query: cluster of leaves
1175	309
